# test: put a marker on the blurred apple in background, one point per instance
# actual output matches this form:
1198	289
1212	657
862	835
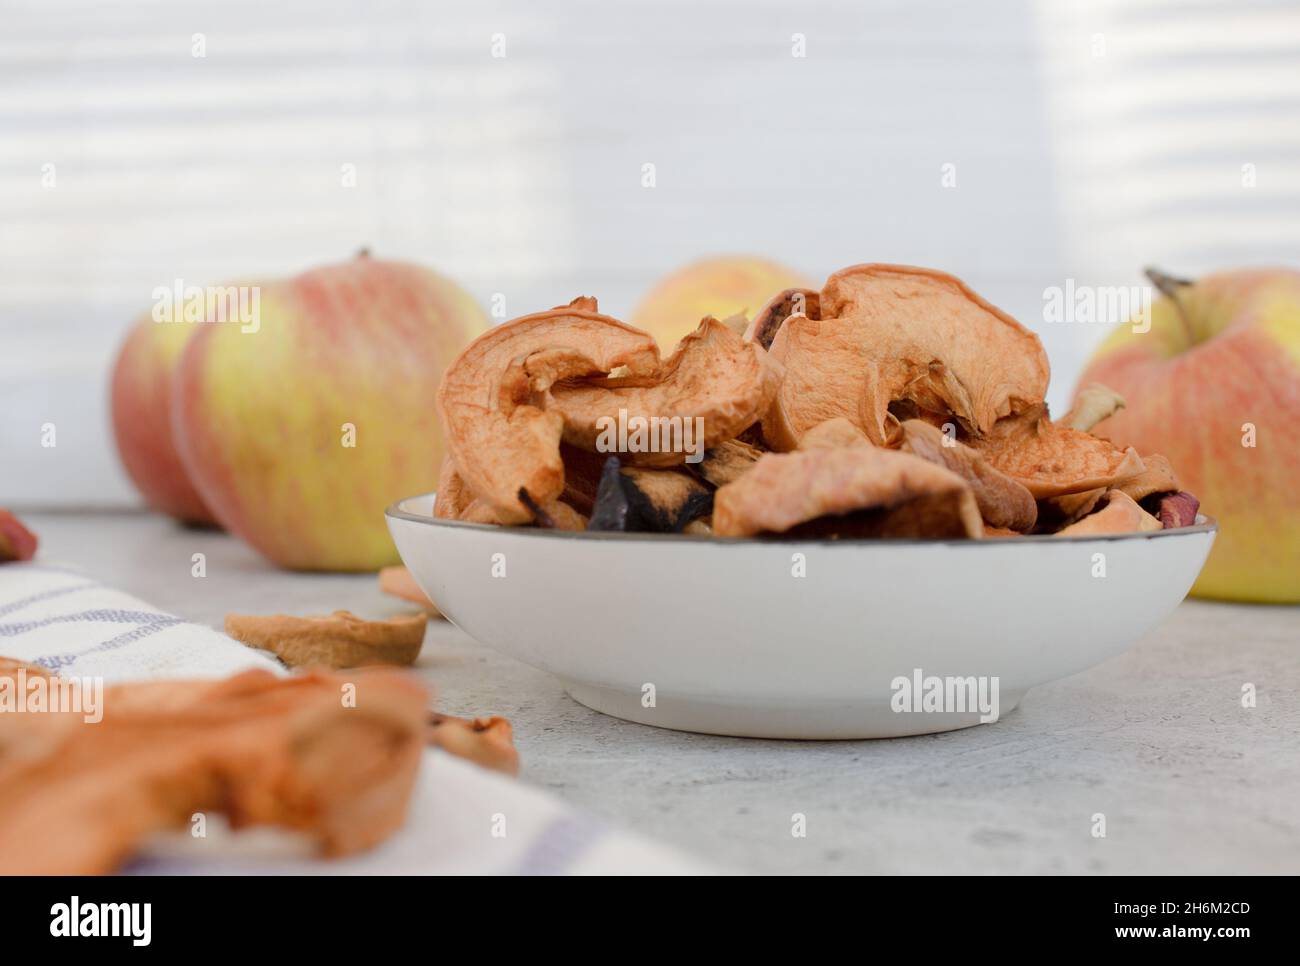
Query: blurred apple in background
141	405
1215	386
300	430
16	541
720	287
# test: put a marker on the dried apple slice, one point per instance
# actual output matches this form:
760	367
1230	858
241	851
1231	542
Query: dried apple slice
1118	514
500	437
1003	502
340	640
847	491
833	434
79	799
453	495
398	582
713	378
768	321
488	742
1093	404
892	334
1049	459
1157	477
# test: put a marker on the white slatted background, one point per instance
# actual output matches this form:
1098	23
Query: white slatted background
521	175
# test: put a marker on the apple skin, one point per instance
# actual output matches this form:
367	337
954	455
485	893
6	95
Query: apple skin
140	400
259	416
1192	383
720	287
16	541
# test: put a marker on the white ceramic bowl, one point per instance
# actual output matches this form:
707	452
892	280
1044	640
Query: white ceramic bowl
721	636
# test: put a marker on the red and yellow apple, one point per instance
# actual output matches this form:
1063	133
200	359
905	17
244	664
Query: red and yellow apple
721	287
299	430
16	541
1214	385
140	398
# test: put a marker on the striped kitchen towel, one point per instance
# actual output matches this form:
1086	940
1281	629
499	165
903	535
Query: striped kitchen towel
462	819
72	625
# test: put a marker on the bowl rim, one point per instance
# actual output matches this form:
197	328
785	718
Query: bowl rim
1204	524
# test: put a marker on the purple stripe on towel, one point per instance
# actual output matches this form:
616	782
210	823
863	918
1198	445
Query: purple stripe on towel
90	617
55	662
560	844
43	595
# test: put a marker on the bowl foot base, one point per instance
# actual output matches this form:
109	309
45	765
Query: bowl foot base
754	719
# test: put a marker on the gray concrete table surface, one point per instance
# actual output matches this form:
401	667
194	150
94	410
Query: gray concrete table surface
1156	740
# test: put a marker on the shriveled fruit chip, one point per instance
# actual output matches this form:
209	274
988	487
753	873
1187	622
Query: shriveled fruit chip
340	640
1058	512
398	582
453	495
1049	459
833	434
488	742
1118	514
768	321
16	541
726	462
79	798
1093	404
500	435
1157	477
847	491
640	499
1177	510
893	334
713	379
556	515
1003	502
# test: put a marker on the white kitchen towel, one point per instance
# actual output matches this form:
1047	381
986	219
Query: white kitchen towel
69	624
462	818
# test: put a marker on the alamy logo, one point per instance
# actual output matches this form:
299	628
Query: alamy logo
652	434
929	693
1098	304
216	303
23	693
102	919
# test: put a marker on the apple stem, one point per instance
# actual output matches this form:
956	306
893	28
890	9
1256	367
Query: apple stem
1172	286
363	252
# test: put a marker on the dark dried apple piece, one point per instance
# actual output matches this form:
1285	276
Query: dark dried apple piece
726	462
641	500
